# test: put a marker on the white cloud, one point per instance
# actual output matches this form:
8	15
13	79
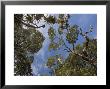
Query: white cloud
39	57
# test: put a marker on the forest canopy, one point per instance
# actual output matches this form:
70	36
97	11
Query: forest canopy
82	56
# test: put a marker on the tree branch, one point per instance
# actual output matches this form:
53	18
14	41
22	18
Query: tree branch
85	58
67	50
67	47
30	25
33	26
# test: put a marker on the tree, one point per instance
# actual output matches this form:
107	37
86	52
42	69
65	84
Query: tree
82	57
77	65
27	41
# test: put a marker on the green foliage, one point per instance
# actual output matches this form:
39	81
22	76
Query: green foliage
50	19
30	18
92	51
51	62
26	42
82	59
51	33
38	16
79	48
53	46
60	31
75	65
72	35
22	65
17	20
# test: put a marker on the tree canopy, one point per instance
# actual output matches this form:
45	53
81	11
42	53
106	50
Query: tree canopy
82	59
27	41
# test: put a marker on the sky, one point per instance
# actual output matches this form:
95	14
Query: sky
40	58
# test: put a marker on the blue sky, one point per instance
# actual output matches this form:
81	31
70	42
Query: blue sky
40	58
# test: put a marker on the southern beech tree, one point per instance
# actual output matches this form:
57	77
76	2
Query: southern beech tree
82	59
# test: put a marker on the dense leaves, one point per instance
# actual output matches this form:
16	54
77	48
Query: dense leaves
82	59
76	65
50	19
27	41
51	33
72	35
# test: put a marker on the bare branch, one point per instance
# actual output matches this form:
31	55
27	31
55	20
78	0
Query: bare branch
67	47
67	50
